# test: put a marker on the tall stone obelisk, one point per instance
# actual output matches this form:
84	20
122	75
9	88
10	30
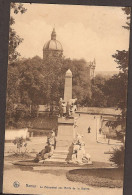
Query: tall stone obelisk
66	130
68	86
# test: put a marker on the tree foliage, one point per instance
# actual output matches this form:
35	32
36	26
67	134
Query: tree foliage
14	39
127	11
118	84
99	98
118	156
119	90
53	79
13	73
36	81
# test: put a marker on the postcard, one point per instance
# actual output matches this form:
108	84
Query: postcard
66	99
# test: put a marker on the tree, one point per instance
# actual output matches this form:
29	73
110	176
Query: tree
115	88
13	74
127	11
99	97
54	76
31	81
14	39
53	79
120	83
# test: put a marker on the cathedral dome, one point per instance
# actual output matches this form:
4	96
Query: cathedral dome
53	44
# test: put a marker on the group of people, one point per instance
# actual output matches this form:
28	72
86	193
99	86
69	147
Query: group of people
66	109
47	152
79	155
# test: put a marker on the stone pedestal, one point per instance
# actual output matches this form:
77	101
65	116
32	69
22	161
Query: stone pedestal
64	139
65	132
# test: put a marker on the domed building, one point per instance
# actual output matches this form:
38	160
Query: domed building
53	47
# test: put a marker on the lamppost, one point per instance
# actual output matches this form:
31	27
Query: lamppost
96	130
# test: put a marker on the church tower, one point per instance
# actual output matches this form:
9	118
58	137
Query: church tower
92	66
90	69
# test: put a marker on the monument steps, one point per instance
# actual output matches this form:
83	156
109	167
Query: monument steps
59	155
60	151
55	160
59	158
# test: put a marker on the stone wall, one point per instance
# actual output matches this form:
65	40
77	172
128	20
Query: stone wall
11	134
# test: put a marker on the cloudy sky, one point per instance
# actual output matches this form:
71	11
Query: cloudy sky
84	31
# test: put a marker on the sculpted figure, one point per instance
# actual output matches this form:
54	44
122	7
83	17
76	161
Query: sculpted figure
79	154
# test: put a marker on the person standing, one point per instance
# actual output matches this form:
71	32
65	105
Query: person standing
100	130
89	130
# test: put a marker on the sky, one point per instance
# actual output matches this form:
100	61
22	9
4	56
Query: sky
86	32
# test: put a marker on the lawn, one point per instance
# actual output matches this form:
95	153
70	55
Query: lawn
101	177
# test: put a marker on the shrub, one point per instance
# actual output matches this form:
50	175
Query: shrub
20	143
118	156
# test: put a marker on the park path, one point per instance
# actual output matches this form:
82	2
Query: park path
95	149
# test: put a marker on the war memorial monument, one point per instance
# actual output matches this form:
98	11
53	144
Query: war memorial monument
65	127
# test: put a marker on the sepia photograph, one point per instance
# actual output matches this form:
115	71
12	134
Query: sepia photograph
66	99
